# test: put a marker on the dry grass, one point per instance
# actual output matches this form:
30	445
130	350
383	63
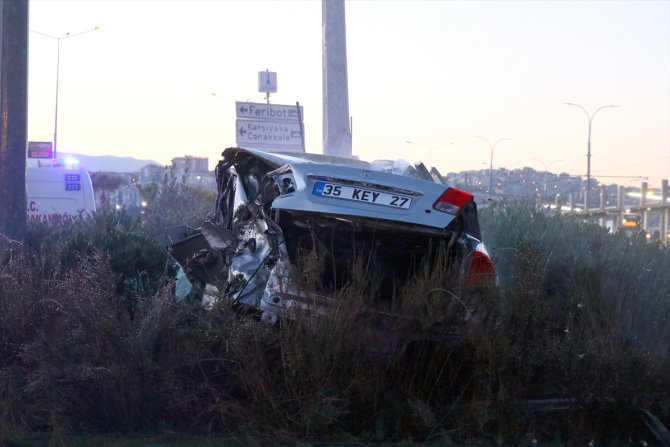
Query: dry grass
580	314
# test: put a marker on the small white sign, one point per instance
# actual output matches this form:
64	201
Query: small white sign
267	81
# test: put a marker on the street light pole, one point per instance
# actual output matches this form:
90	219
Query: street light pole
58	39
588	150
492	146
430	149
546	169
55	150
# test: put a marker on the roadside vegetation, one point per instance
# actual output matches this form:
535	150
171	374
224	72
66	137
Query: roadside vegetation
92	341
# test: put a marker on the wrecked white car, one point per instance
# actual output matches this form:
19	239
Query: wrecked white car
288	229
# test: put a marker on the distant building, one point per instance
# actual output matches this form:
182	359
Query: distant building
151	174
127	196
191	170
191	163
194	171
114	190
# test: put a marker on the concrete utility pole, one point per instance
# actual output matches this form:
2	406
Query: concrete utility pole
13	116
336	125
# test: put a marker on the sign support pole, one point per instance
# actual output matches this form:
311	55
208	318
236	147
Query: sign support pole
302	127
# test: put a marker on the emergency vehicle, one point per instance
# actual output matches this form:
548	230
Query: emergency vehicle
58	193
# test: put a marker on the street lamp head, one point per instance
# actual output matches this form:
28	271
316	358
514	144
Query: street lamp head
430	149
68	34
492	145
96	28
590	117
548	165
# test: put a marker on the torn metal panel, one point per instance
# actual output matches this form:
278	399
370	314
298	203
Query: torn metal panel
252	262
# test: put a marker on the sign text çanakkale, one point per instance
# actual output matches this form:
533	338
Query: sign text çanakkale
269	134
269	126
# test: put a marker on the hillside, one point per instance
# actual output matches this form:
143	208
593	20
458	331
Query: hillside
109	163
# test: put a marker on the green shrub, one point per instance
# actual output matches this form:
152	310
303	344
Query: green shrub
172	203
137	261
581	314
585	311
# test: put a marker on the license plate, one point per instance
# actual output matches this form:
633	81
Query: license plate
324	189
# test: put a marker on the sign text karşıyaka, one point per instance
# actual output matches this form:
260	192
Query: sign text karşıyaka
263	134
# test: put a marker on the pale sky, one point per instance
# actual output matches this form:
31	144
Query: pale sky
432	72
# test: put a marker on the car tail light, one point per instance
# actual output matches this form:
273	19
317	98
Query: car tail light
452	201
481	272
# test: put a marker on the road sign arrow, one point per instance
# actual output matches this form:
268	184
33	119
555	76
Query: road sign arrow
274	135
268	112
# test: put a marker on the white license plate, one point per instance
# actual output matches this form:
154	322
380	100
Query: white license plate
336	191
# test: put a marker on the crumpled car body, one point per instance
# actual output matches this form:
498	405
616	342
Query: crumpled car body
289	227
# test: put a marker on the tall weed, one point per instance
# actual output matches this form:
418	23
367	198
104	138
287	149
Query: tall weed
173	202
586	311
580	314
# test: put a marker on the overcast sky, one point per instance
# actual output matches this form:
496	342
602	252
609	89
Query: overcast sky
432	72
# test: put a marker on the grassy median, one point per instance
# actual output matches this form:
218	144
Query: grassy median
91	340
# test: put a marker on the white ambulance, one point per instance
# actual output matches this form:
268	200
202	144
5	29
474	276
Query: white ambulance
58	193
